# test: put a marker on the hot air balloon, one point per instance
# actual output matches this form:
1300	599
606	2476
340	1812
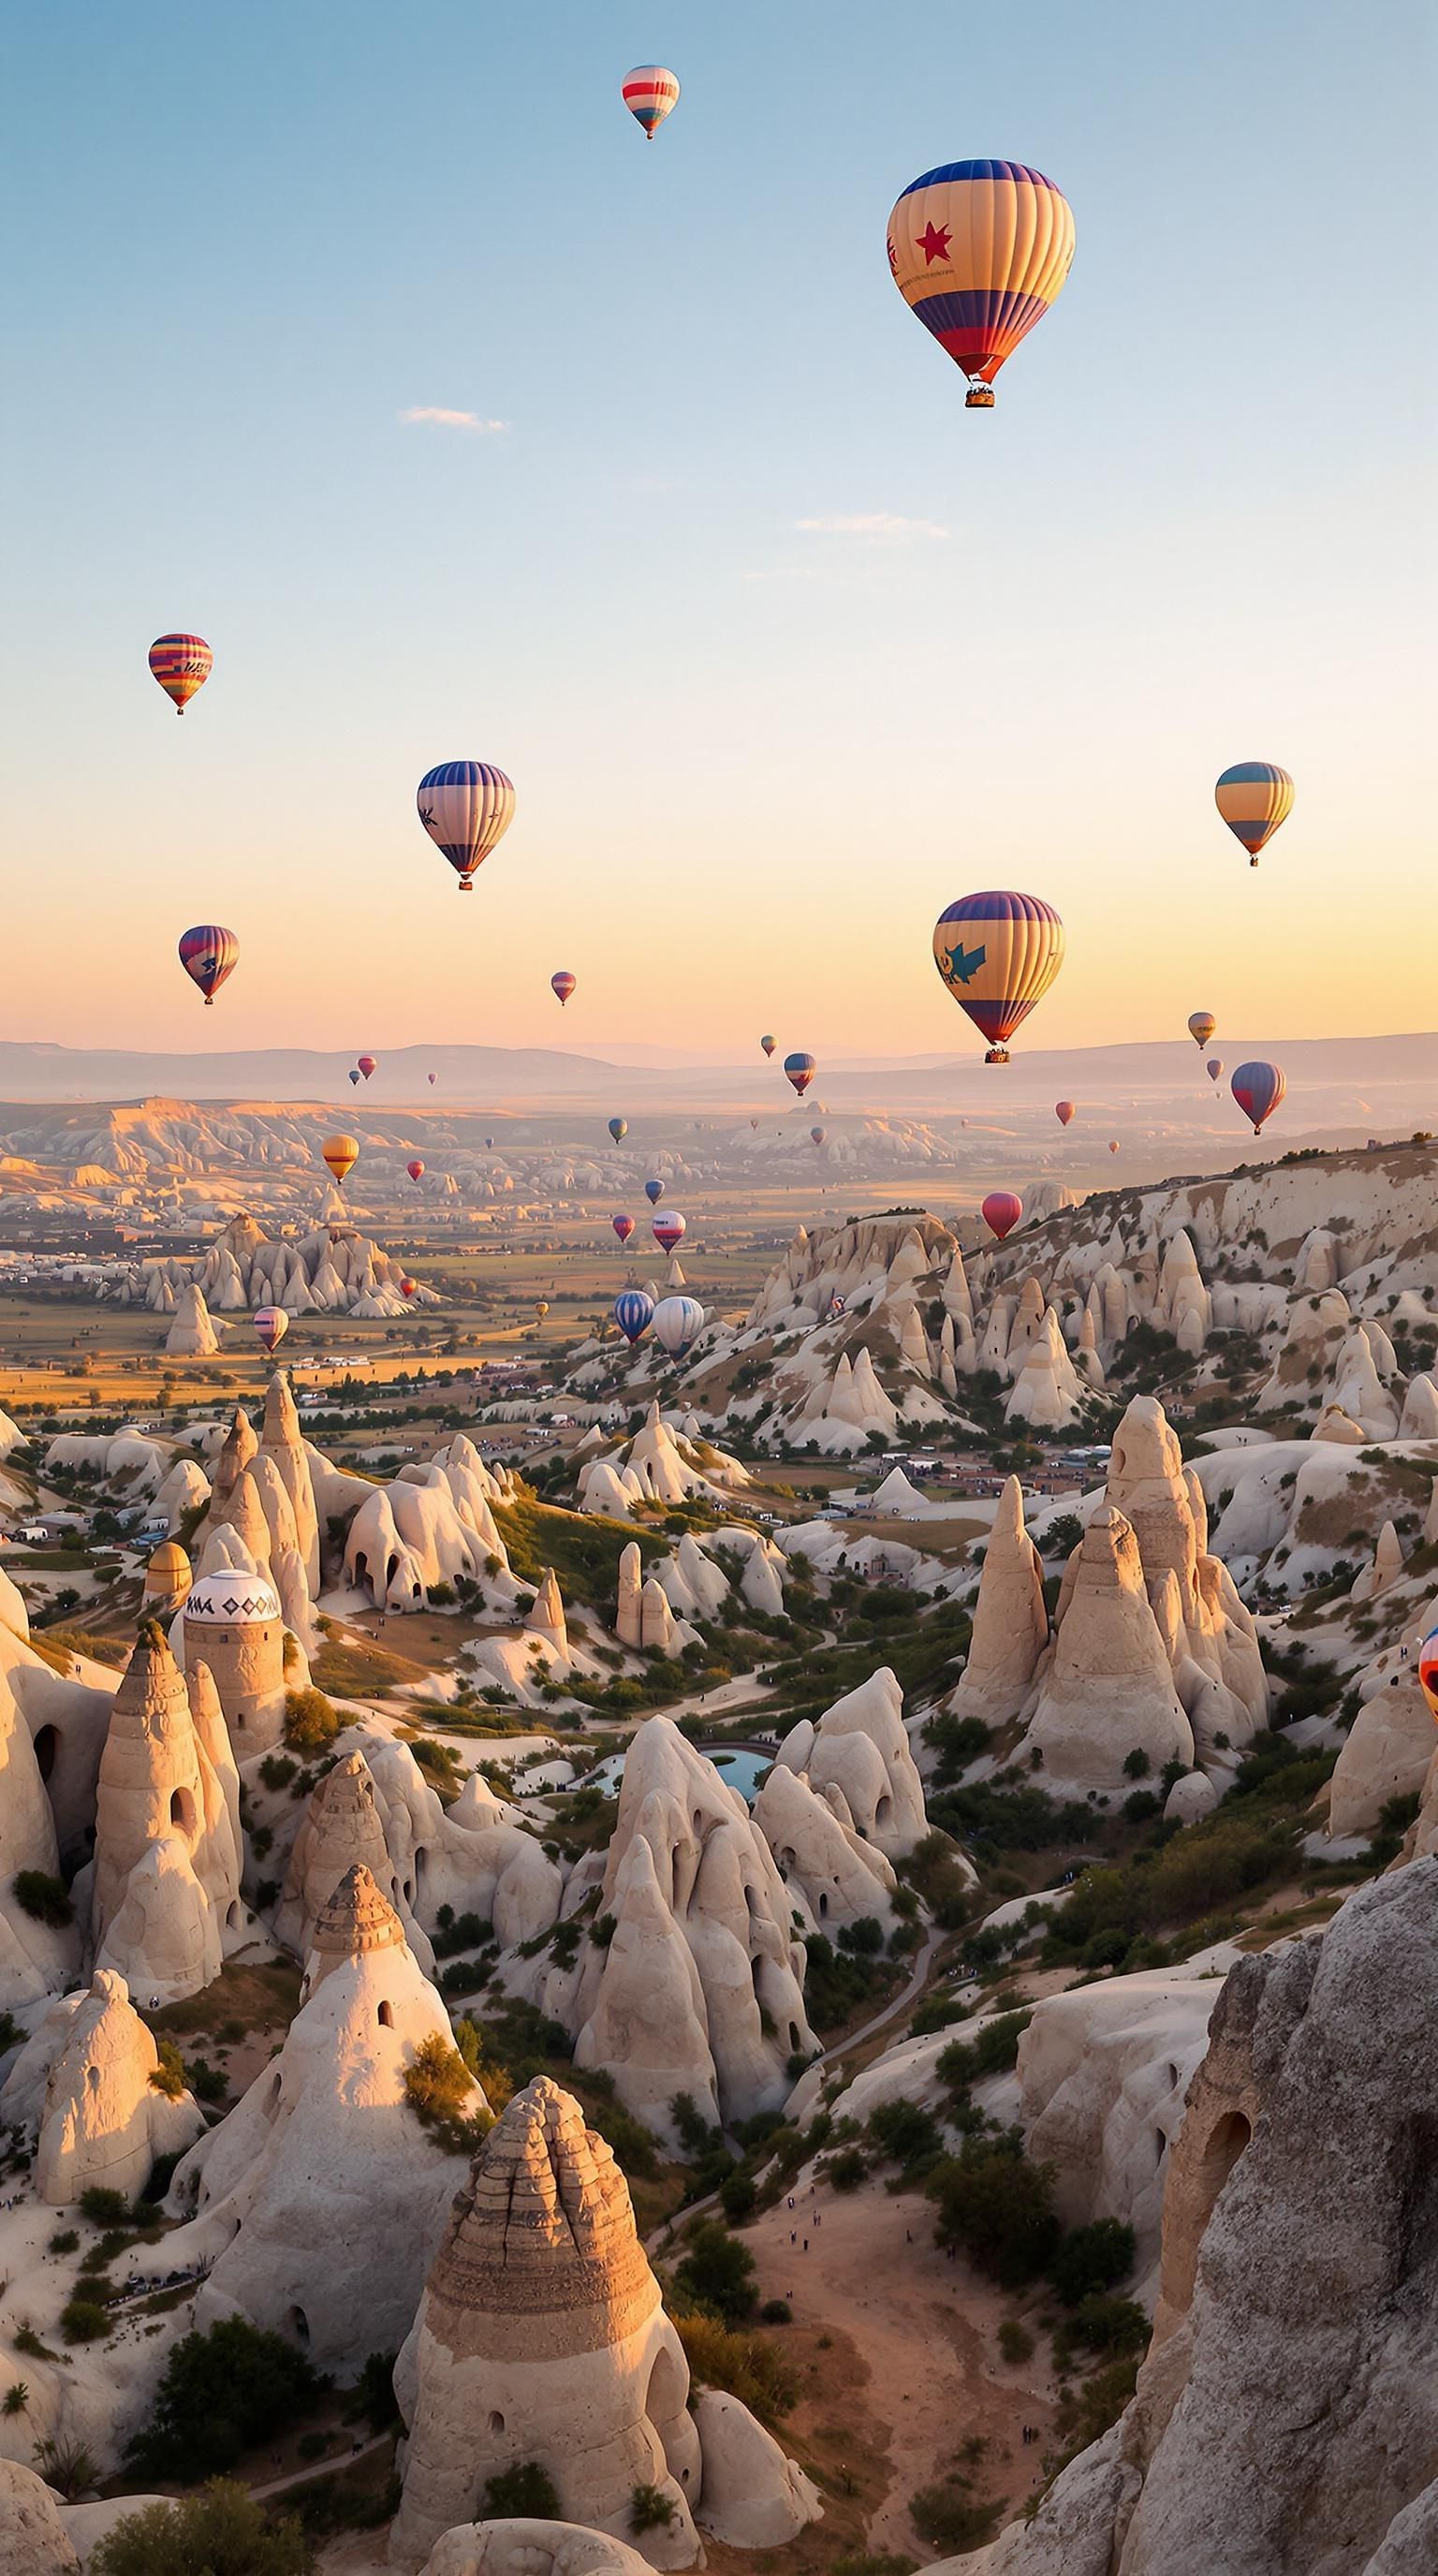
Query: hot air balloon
415	1169
1428	1669
633	1312
618	1129
998	954
678	1321
341	1153
623	1227
816	1135
1113	1144
1214	1068
1001	1212
367	1064
489	1141
466	806
650	93
208	954
541	1308
182	664
1063	1111
563	984
1258	1088
979	250
1254	797
654	1192
768	1044
800	1070
669	1229
431	1079
754	1123
354	1075
407	1287
1201	1025
272	1324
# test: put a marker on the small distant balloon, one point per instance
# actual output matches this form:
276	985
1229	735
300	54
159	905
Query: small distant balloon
618	1129
768	1044
1258	1088
1001	1211
1428	1670
654	1192
1064	1111
354	1074
800	1069
182	664
1201	1025
415	1169
431	1079
650	93
367	1064
1254	797
1214	1068
489	1142
669	1229
466	806
633	1312
341	1153
754	1123
817	1135
407	1287
563	984
208	954
541	1308
272	1324
623	1227
1113	1144
678	1322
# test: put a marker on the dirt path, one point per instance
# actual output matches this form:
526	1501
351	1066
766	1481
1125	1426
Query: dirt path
928	2330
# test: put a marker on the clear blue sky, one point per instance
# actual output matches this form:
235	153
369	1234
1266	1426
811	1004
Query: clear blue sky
754	758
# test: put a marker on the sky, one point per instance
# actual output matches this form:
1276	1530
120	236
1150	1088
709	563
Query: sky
376	345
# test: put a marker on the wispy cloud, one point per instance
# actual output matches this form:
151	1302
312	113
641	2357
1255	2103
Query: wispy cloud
869	523
430	416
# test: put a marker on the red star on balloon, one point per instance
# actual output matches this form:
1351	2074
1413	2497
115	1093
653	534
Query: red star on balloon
934	243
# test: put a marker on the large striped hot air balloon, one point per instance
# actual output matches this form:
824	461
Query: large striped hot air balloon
650	93
466	806
341	1153
208	954
998	954
800	1069
272	1324
563	984
1201	1025
182	664
1254	797
979	250
1001	1211
633	1312
678	1321
1258	1087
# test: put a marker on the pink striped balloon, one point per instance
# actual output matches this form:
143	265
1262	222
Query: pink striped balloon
650	93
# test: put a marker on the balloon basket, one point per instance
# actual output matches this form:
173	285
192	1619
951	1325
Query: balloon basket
997	1055
979	398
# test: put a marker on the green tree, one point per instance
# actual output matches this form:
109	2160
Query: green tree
311	1721
1092	2258
717	2274
999	2207
221	2531
221	2393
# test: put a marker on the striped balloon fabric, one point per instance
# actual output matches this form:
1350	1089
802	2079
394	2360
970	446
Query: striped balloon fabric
182	664
1258	1087
1254	797
650	93
208	954
466	806
998	953
979	251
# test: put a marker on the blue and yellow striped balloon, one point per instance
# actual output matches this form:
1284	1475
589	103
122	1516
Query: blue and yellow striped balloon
1254	797
979	250
998	953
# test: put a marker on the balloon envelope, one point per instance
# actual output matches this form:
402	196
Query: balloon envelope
272	1324
1113	1145
979	250
654	1192
1254	797
1428	1669
1201	1025
633	1312
182	664
1001	1212
367	1064
618	1129
623	1227
817	1135
208	954
650	93
1258	1088
678	1321
466	806
431	1077
1214	1068
415	1169
407	1287
341	1153
354	1074
768	1044
1064	1110
998	953
669	1229
563	984
800	1069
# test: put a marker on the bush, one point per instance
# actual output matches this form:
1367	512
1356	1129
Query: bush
83	2321
999	2207
44	1899
745	2364
738	2193
311	1721
992	2052
650	2509
774	2312
526	2490
277	1770
846	2170
169	2076
222	2392
104	2208
437	2085
905	2131
66	2466
864	1937
1106	2324
717	2274
1016	2344
222	2530
1092	2258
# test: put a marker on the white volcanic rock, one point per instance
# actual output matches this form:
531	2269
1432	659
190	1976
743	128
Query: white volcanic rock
35	1958
192	1335
1419	1418
1212	1641
1047	1392
83	2088
692	1584
656	1623
1011	1625
1388	1748
521	2548
751	2496
628	1623
341	1827
319	2200
165	1886
545	1615
33	2541
1386	1569
1334	1424
820	1852
1107	1689
860	1748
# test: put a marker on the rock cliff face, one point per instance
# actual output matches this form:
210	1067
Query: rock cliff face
858	1757
80	2090
166	1873
1011	1625
1285	2422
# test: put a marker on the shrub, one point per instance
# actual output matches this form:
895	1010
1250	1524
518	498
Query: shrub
992	2052
311	1721
746	2365
738	2193
17	2398
864	1937
222	2392
437	2084
1092	2258
104	2208
717	2274
65	2242
526	2489
169	2076
999	2207
44	1899
66	2466
650	2509
1016	2344
847	2170
774	2312
221	2530
83	2321
277	1770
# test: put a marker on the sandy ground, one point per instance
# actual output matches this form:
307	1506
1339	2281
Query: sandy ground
927	2328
